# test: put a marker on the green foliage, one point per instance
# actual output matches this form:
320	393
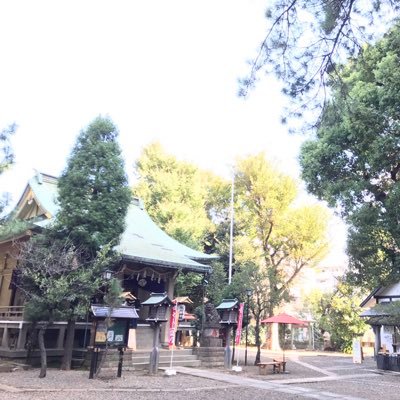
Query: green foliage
190	284
112	297
305	42
93	189
353	162
6	158
6	154
252	338
273	239
56	281
271	232
12	227
174	195
338	313
188	204
217	282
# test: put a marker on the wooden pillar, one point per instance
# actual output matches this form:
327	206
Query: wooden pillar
23	330
4	340
377	333
132	339
61	337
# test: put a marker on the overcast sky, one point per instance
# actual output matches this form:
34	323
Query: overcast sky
162	70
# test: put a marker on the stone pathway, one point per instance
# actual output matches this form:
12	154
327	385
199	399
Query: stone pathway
284	386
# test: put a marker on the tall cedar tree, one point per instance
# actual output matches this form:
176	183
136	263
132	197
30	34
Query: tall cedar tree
93	196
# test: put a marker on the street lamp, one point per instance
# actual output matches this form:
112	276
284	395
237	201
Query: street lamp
249	292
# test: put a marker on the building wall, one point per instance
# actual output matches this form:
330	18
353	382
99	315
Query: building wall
7	264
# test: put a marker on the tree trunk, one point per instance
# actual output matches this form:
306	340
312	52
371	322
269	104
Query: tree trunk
43	354
258	340
31	342
69	346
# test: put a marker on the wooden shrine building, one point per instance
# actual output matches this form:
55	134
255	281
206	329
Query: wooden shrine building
151	261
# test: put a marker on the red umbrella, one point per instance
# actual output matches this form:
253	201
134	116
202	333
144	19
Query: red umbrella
283	319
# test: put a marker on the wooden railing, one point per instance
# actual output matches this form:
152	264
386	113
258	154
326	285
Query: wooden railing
12	312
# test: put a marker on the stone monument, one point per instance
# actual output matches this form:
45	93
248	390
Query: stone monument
211	327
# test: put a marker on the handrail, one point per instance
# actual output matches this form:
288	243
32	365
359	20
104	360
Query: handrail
12	312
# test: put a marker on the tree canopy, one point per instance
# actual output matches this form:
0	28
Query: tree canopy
306	41
353	162
271	231
174	194
62	266
93	189
6	157
274	240
338	312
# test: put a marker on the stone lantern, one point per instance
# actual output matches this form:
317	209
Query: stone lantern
158	304
228	311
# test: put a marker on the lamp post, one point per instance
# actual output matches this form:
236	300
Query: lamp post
249	292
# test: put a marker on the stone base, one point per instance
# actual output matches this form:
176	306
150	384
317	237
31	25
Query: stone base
210	356
210	342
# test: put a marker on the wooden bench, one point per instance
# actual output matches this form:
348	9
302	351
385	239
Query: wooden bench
277	367
282	367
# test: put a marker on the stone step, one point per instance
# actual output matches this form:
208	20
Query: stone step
214	364
162	364
211	359
163	358
141	359
205	352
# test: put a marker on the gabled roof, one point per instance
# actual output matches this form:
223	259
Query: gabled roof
142	242
157	299
39	197
116	312
370	296
228	304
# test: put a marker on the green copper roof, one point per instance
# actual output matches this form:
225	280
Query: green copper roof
116	312
227	304
156	299
45	190
142	242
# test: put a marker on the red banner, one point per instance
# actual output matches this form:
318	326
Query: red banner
239	324
172	325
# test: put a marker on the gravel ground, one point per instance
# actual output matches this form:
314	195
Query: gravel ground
349	380
75	385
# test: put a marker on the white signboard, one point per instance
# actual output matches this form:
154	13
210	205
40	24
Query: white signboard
357	356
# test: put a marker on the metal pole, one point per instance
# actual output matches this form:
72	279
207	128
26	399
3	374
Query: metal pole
247	329
231	231
93	362
120	362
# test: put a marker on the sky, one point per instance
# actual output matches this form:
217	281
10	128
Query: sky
163	71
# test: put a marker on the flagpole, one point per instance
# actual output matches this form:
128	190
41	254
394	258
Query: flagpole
171	339
231	230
